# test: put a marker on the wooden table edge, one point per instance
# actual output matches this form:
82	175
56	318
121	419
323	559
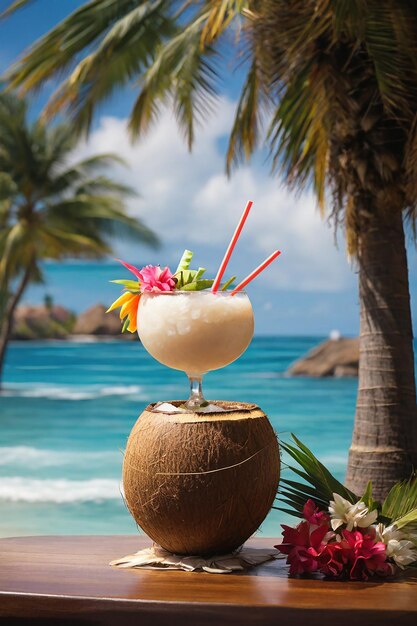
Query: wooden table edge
50	607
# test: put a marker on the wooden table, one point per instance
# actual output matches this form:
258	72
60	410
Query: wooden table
67	581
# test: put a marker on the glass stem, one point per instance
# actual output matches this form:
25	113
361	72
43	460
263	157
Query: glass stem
196	400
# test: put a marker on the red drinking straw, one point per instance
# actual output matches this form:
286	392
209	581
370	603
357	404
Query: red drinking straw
229	250
255	273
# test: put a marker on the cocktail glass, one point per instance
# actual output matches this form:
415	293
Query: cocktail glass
195	332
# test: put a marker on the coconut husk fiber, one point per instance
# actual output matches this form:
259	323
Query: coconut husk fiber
201	483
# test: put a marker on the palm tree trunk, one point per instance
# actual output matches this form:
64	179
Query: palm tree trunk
384	444
7	322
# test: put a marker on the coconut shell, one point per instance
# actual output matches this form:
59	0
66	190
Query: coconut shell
201	483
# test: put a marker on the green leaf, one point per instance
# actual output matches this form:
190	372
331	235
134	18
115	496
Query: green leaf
307	491
198	285
228	283
200	272
321	484
125	325
324	475
401	500
130	285
410	519
368	499
185	277
185	261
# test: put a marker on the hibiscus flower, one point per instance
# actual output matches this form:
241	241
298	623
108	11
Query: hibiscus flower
364	556
303	545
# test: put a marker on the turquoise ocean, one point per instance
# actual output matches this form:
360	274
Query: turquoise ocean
68	407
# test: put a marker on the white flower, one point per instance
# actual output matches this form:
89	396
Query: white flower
386	533
400	549
353	515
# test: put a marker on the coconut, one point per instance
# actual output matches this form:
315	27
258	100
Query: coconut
201	483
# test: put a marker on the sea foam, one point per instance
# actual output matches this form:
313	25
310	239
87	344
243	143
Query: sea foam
38	457
87	392
58	490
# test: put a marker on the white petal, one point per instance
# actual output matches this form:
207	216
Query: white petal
368	519
335	523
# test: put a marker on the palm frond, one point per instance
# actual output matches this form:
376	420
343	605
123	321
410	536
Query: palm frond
49	209
400	505
299	140
100	161
14	6
98	215
119	58
58	49
221	14
248	118
319	483
182	71
16	248
58	243
391	62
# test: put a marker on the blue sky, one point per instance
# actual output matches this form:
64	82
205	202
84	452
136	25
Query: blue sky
189	201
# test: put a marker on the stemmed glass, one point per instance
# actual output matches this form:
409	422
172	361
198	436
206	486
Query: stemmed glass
195	332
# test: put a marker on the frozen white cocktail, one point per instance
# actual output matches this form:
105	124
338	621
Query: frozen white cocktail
195	331
187	322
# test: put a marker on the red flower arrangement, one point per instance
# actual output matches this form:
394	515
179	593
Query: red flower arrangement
313	547
342	535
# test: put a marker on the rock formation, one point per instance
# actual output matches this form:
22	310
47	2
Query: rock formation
335	357
42	322
95	321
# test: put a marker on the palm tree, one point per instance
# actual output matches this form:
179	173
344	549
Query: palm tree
50	207
337	80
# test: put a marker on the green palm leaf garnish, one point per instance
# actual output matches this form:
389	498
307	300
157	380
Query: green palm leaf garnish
191	280
185	261
130	285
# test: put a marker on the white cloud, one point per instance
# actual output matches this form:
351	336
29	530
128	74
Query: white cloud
190	202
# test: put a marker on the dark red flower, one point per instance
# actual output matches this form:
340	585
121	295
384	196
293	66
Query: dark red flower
332	560
303	545
365	557
312	514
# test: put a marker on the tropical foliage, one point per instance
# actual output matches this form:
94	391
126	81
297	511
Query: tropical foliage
300	68
333	83
51	206
344	535
399	507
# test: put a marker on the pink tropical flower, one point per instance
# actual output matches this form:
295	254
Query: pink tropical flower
154	279
313	515
303	545
365	557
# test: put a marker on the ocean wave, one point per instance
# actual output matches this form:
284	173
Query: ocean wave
39	457
90	392
93	339
58	490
